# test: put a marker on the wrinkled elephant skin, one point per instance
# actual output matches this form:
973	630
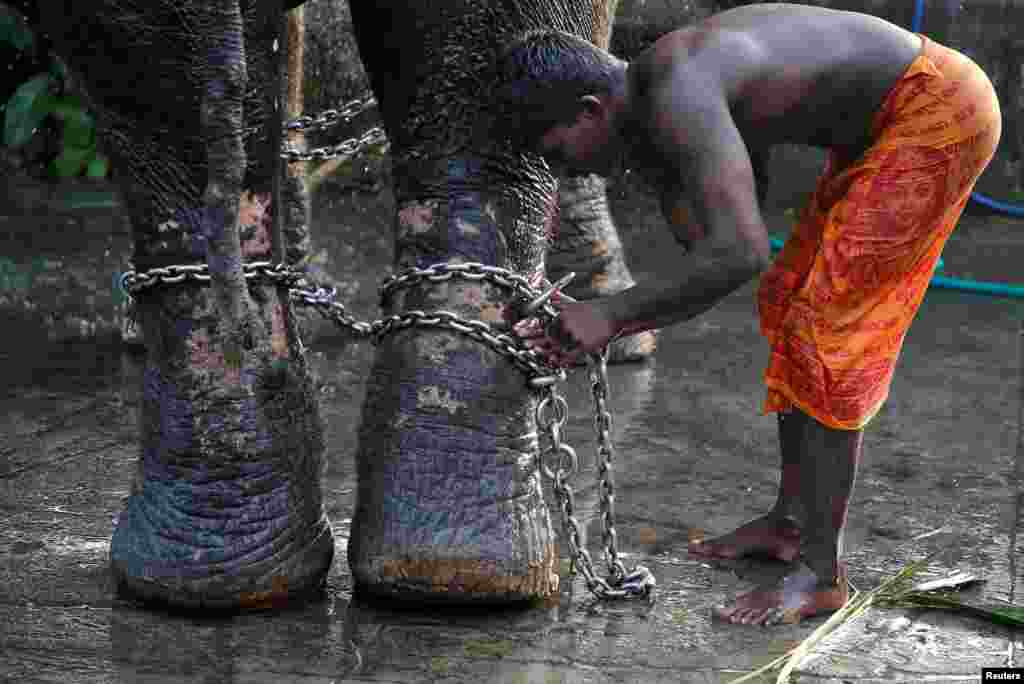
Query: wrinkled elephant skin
449	503
225	509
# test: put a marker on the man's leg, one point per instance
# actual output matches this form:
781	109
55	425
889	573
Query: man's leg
776	534
816	584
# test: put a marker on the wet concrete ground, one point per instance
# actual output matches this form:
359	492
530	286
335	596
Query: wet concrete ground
694	454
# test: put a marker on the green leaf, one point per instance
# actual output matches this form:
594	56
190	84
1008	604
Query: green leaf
13	30
71	160
1005	615
24	110
79	125
99	167
68	106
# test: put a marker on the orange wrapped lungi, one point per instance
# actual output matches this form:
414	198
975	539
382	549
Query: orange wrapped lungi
838	300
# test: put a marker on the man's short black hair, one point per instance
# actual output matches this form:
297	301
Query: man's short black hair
543	74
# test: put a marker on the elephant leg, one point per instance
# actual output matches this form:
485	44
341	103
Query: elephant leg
449	502
225	508
587	243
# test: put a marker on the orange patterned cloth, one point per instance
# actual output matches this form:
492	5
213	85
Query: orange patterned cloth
838	301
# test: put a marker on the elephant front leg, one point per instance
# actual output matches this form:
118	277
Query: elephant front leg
449	504
225	508
587	242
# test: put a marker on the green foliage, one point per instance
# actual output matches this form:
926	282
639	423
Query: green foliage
35	100
26	110
13	31
18	278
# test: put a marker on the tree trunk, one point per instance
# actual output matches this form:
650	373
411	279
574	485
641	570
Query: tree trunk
225	508
449	502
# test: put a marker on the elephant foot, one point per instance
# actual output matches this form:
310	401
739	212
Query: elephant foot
449	506
292	574
459	582
518	562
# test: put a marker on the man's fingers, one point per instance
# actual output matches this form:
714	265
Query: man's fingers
529	327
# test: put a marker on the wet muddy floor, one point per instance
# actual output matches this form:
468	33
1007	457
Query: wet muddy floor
694	455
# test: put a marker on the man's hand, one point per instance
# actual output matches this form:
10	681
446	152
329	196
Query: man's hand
581	328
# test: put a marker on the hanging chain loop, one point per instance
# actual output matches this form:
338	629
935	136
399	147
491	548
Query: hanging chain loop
639	581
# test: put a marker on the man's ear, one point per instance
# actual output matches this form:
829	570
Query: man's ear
592	105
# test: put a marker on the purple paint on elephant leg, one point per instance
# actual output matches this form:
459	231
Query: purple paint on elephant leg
223	263
190	224
186	514
212	223
168	431
446	489
228	51
251	420
175	420
471	232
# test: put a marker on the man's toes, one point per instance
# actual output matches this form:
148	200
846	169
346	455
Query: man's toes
739	617
727	613
755	616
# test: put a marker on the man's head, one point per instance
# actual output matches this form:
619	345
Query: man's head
562	96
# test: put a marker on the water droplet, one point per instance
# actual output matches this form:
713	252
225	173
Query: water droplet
275	45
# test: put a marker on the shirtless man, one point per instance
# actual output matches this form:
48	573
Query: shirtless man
909	126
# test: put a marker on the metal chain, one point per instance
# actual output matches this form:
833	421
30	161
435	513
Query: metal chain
332	117
551	411
438	273
639	581
345	150
134	282
598	372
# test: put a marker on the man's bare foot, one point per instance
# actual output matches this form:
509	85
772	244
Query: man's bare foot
799	595
768	535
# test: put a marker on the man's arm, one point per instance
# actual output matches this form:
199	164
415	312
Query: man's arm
691	126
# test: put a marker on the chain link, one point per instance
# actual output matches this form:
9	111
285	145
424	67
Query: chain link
332	117
439	273
133	282
345	150
638	582
557	460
